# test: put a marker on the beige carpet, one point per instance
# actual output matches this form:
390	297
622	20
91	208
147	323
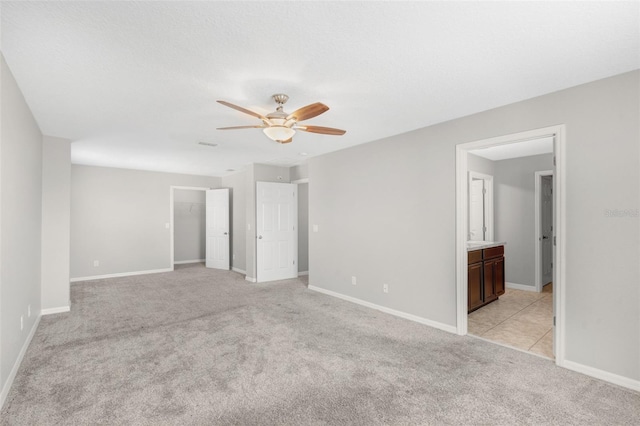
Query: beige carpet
198	346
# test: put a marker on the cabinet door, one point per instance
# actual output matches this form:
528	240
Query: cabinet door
474	293
489	278
499	276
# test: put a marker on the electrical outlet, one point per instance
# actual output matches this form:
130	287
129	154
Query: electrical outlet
96	263
248	227
385	288
353	280
21	322
315	228
234	256
29	311
167	225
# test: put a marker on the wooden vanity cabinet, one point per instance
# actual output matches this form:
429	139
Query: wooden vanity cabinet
485	276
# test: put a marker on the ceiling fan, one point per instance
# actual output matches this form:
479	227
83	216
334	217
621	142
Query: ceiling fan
281	126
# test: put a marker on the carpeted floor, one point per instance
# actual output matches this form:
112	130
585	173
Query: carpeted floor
199	346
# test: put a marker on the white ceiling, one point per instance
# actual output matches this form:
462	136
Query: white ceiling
134	84
516	149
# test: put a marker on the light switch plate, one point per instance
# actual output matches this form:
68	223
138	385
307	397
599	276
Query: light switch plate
315	228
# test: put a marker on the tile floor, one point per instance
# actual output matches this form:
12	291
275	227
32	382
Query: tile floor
522	319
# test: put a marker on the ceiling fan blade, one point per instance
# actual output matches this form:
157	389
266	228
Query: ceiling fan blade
246	111
321	130
241	127
287	141
308	112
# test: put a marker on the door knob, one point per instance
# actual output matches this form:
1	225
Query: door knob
260	237
545	237
225	233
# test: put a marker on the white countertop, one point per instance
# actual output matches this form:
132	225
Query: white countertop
479	245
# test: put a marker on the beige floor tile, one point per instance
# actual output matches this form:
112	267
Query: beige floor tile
544	346
517	333
496	312
477	326
538	312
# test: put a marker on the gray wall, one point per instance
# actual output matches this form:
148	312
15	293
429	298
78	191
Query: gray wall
20	222
303	227
514	214
386	213
56	222
480	165
189	225
300	171
119	218
237	182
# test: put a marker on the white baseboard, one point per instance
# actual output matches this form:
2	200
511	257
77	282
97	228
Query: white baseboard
410	317
12	375
240	271
250	279
625	382
121	274
58	310
521	287
185	262
303	273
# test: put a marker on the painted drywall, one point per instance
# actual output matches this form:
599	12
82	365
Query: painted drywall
514	214
303	227
20	224
189	225
237	182
258	173
300	171
479	164
386	214
120	218
56	223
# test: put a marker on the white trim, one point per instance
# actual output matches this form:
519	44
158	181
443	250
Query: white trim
12	375
410	317
488	206
121	274
303	273
238	270
171	219
251	280
536	213
560	235
462	231
58	310
524	287
625	382
185	262
559	257
303	180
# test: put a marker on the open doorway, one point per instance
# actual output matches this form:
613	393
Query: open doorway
188	225
199	226
508	192
544	230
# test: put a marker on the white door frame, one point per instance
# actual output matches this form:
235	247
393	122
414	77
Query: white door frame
559	200
171	213
488	202
537	242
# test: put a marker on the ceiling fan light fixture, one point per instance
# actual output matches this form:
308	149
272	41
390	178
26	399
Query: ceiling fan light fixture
279	133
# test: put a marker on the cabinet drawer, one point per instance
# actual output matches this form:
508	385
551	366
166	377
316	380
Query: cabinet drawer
493	252
474	256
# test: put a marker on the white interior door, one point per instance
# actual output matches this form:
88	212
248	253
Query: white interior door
476	210
276	231
217	215
546	229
